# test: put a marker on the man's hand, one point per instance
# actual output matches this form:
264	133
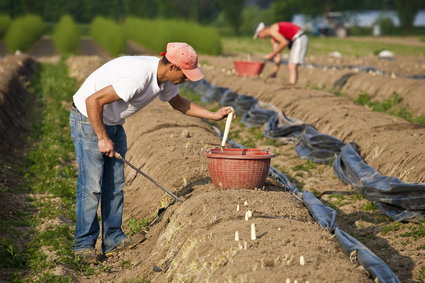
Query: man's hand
269	56
106	146
222	113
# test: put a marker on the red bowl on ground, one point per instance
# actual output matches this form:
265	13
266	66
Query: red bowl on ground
234	168
248	68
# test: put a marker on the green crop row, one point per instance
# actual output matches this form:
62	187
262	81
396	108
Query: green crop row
155	34
66	36
23	32
390	106
108	34
4	24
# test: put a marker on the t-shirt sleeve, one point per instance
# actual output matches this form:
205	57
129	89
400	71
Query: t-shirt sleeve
170	90
126	86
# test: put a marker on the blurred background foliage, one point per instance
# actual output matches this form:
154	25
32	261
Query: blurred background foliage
202	23
235	16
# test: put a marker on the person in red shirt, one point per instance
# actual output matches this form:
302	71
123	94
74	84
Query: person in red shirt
284	34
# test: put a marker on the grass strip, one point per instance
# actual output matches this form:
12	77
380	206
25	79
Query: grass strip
390	106
350	46
50	178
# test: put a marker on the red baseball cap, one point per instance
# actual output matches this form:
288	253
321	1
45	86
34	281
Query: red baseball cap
184	56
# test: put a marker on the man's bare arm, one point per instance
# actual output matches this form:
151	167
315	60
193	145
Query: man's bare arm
192	109
94	105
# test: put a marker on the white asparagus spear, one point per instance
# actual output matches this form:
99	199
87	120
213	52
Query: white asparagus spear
226	129
253	232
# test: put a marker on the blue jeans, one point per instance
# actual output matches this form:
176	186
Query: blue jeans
100	179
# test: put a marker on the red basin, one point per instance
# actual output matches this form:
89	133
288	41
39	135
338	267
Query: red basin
248	68
233	168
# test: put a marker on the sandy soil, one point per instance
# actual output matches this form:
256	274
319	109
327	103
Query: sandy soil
195	240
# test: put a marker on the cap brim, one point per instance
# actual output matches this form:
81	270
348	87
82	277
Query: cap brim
194	74
259	28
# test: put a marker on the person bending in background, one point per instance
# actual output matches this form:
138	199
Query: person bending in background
108	96
284	34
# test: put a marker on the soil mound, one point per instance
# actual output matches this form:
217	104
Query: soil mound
80	67
379	87
15	110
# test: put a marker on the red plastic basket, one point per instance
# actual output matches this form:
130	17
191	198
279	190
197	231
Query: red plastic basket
234	168
248	68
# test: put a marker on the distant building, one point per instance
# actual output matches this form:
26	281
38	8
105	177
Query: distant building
361	19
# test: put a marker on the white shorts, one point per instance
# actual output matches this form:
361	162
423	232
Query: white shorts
298	50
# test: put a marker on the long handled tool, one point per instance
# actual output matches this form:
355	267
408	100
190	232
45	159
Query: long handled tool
119	157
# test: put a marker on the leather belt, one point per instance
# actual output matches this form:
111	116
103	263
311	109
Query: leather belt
298	35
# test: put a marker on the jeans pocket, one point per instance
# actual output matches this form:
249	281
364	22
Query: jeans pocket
86	131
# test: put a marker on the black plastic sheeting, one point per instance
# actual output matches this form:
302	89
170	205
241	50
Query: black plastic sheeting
398	200
401	201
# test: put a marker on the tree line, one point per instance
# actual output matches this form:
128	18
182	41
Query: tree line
202	11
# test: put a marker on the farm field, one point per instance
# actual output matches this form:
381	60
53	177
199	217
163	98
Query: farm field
194	240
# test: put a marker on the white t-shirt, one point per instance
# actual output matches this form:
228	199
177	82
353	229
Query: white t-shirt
134	79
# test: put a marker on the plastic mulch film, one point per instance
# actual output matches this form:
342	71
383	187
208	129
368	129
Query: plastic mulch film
318	147
360	254
322	214
273	130
257	116
398	200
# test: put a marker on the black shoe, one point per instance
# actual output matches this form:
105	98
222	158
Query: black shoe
86	255
127	243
